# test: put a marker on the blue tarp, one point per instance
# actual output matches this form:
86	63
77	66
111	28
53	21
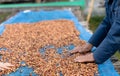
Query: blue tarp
105	69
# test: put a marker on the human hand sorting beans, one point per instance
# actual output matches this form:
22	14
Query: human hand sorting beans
4	66
88	57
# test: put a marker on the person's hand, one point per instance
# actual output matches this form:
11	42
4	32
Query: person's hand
4	66
85	58
80	49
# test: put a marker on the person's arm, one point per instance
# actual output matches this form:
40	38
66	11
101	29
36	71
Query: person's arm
111	43
108	46
96	38
102	30
100	33
4	66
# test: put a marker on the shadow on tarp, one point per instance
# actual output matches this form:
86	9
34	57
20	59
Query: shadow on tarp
105	69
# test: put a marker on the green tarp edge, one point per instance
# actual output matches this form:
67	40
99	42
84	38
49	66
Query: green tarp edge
80	3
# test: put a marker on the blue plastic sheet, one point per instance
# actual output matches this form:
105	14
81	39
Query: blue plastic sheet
105	69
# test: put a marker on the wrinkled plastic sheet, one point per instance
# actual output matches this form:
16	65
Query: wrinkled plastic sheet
105	69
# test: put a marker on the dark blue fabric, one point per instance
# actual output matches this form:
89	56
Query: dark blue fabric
105	69
107	36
